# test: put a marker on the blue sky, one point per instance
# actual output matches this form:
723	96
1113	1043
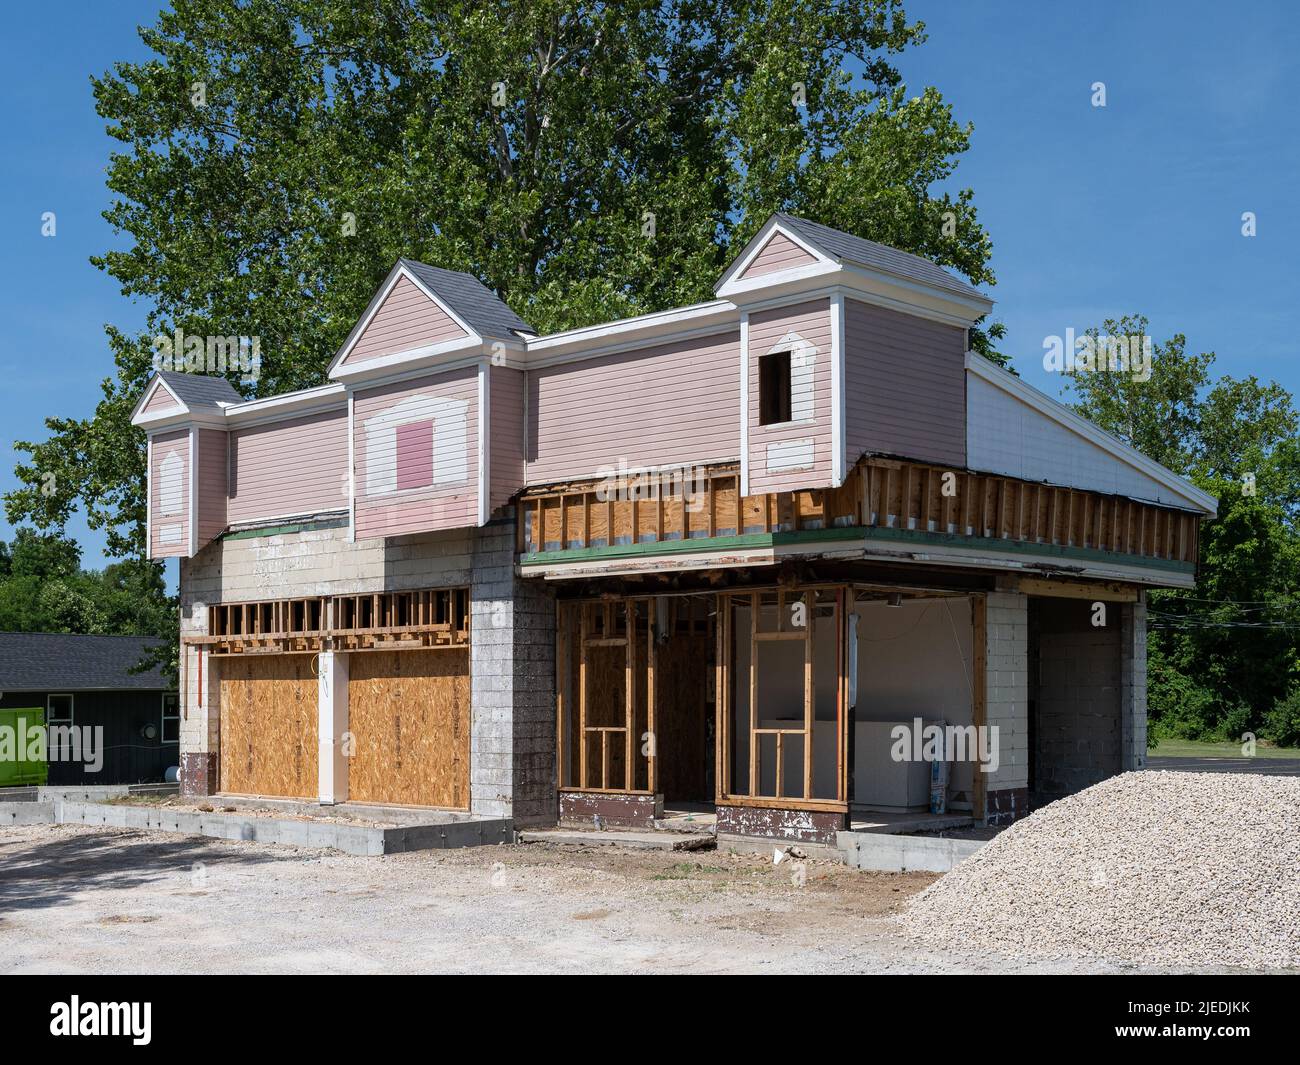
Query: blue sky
1094	212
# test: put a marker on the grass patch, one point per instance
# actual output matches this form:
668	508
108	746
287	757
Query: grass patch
687	870
1174	748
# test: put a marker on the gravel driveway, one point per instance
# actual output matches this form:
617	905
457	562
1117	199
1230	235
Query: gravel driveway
80	899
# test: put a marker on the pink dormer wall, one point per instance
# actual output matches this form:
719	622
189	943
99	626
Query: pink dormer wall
169	494
393	426
794	454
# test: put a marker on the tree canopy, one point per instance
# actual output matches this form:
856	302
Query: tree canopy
587	161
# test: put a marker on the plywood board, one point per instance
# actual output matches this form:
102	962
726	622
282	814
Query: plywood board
409	715
268	726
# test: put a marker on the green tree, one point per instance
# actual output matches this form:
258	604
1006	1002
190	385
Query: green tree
1224	654
585	160
44	589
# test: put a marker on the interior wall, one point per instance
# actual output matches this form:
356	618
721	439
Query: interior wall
914	660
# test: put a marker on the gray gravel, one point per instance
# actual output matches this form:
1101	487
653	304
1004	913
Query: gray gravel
1181	869
76	899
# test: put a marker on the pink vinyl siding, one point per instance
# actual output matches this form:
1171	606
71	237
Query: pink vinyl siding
904	386
449	401
674	404
169	495
289	468
775	448
506	434
212	461
779	253
160	401
407	319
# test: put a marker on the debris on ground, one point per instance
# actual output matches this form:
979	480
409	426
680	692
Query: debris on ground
1150	867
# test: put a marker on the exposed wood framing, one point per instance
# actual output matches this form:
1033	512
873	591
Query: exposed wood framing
371	621
979	692
878	493
783	795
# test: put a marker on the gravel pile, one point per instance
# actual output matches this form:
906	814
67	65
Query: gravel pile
1158	868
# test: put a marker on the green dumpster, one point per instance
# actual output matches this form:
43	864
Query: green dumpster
18	732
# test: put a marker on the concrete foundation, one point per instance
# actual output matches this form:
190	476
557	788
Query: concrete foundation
436	832
904	854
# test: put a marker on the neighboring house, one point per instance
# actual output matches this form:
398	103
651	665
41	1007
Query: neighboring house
85	682
445	578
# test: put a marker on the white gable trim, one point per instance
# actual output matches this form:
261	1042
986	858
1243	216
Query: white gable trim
143	402
398	272
837	389
1062	415
483	442
755	247
744	403
387	368
194	491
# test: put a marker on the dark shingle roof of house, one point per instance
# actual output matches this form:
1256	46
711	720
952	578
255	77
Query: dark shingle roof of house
846	247
200	390
472	300
56	662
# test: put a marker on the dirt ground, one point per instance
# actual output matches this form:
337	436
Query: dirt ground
77	899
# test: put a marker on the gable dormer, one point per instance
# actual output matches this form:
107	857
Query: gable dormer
184	418
422	368
849	347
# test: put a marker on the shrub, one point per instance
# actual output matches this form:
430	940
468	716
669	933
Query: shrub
1282	722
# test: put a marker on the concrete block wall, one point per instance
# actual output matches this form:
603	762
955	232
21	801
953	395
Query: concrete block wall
1133	685
1077	733
512	656
1006	699
512	644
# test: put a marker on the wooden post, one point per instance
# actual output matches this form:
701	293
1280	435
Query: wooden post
722	699
652	650
582	695
629	694
753	693
810	602
979	681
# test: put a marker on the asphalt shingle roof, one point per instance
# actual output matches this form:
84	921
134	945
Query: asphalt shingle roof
471	299
200	390
868	253
55	661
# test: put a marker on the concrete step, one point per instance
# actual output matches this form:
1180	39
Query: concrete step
634	839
